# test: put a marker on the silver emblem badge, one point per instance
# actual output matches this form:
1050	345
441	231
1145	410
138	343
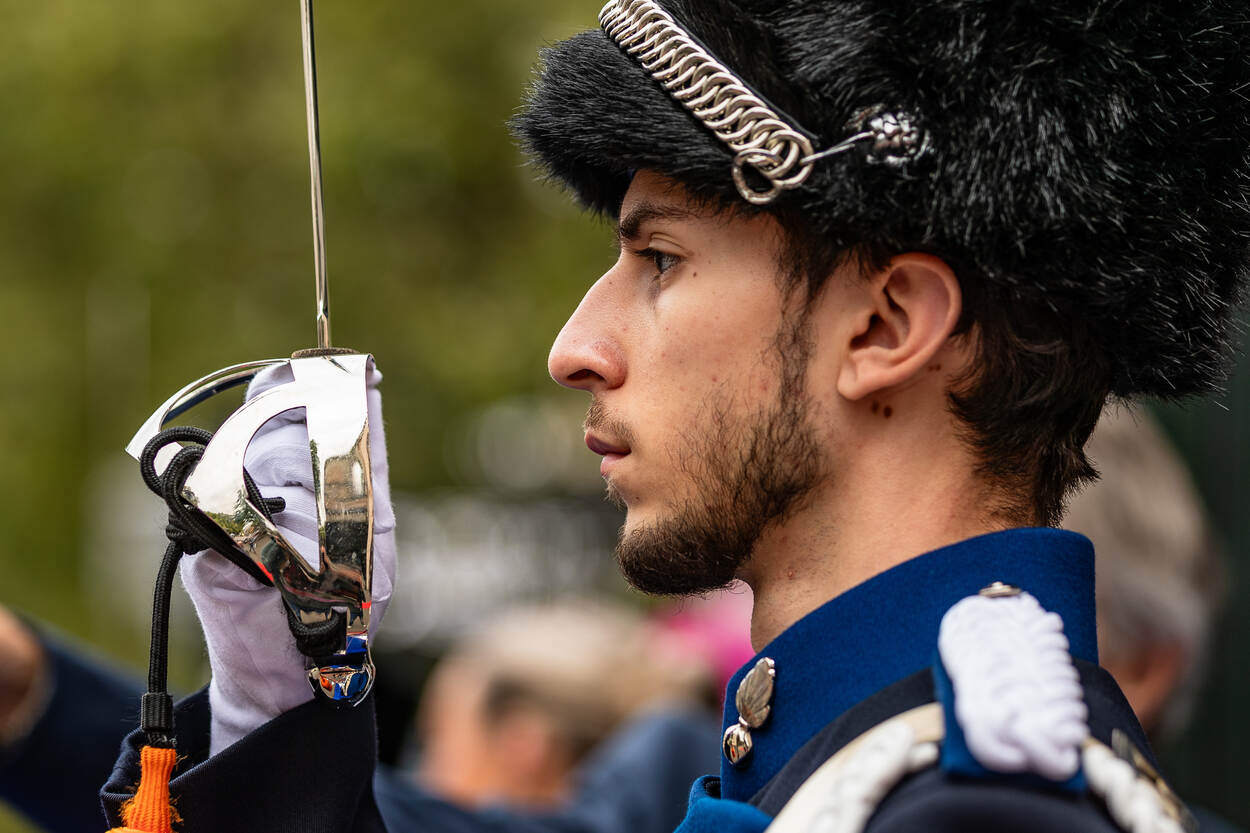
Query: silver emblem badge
754	702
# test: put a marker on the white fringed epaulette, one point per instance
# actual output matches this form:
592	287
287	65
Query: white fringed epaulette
1019	709
1017	695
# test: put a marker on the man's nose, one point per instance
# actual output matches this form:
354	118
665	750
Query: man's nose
588	354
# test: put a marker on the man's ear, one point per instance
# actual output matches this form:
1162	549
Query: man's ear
910	309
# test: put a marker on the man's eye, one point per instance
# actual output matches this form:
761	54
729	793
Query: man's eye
663	260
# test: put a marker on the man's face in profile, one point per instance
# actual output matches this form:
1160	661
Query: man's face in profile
696	363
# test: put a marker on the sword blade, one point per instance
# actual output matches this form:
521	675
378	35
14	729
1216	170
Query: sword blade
314	163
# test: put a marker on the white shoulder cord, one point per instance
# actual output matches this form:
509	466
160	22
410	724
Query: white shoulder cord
1132	799
842	795
844	792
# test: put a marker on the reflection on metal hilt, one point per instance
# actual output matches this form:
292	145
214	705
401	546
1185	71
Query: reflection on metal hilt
330	386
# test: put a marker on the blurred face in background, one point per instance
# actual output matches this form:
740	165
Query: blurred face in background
512	709
474	757
696	363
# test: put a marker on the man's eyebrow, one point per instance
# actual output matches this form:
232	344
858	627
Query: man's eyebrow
628	227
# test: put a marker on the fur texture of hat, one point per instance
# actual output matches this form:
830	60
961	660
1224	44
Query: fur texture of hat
1088	158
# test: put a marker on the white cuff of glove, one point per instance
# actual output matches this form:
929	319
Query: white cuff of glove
257	671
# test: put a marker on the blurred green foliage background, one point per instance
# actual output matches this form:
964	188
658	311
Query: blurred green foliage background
154	226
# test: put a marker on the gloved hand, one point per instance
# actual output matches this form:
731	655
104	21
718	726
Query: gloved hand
257	671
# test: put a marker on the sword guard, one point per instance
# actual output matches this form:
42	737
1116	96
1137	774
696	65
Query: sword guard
330	385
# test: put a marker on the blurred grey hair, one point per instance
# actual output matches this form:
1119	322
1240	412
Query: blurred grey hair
588	665
1159	569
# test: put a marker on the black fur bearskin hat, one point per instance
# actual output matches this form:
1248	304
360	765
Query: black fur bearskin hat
1084	158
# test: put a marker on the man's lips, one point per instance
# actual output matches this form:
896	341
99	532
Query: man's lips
610	452
601	446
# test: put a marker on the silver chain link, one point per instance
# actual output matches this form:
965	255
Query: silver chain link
757	135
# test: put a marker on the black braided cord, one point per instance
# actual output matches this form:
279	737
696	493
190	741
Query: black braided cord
188	531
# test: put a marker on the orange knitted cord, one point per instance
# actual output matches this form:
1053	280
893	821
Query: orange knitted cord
149	810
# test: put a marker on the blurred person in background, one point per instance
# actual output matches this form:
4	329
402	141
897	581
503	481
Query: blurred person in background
1161	577
715	627
63	715
509	714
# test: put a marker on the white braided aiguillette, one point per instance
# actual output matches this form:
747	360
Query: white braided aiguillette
844	792
887	756
757	134
1132	800
1018	696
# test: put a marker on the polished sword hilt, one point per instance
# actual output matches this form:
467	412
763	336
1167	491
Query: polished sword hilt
330	386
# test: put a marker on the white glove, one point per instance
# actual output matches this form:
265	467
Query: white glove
257	671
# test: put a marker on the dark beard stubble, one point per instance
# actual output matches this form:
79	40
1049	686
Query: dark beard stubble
749	472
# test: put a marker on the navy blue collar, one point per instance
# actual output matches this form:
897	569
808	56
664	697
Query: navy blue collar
886	628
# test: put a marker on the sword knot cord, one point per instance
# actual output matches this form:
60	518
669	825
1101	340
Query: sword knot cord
188	532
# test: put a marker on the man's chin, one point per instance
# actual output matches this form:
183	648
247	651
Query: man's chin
666	557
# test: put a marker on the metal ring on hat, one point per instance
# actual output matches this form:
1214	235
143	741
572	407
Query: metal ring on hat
762	160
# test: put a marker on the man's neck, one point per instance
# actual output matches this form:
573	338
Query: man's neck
863	523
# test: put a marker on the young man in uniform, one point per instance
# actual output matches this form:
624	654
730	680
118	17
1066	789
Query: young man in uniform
880	267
